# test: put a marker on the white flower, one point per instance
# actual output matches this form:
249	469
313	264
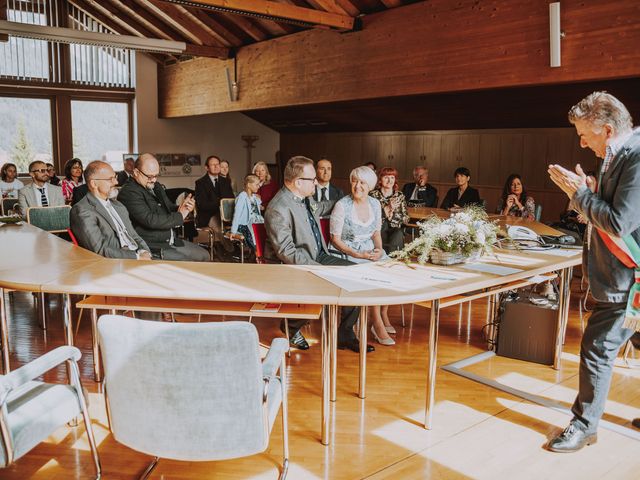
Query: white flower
461	228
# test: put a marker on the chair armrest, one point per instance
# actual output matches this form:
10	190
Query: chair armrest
273	360
37	367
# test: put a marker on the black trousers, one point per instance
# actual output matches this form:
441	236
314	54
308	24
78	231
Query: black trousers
349	315
392	237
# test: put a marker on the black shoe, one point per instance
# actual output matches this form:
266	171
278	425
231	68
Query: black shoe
572	439
636	422
354	345
635	340
299	341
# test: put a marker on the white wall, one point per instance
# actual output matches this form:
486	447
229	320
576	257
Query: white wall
218	134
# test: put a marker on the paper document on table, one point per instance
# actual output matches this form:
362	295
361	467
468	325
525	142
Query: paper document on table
489	268
363	277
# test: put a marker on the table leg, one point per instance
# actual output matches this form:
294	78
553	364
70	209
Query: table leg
97	366
326	376
363	352
333	348
567	298
4	334
563	306
431	366
41	306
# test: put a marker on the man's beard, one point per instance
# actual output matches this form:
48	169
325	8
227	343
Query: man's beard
113	193
150	187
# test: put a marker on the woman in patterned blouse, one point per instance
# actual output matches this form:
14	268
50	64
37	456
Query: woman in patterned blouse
515	202
72	178
394	209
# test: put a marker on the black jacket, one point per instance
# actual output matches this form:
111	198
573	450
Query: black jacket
208	198
427	197
153	215
469	196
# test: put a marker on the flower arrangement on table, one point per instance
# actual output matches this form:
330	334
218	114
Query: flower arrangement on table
464	236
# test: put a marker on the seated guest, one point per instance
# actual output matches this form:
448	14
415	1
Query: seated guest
355	231
210	189
394	209
420	193
100	223
53	178
326	190
514	201
463	194
40	193
224	172
294	237
247	211
154	216
9	184
268	188
72	178
125	175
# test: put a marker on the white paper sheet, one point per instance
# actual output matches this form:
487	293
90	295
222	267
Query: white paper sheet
560	252
489	268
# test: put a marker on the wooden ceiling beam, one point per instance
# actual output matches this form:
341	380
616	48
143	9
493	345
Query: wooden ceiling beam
179	17
392	3
165	30
246	24
281	12
349	7
216	28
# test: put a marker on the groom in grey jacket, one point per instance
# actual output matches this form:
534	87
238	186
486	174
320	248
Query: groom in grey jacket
611	206
294	237
100	223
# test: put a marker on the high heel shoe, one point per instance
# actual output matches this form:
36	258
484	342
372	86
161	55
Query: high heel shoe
390	329
382	341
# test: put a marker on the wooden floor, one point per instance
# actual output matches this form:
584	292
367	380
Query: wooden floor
478	432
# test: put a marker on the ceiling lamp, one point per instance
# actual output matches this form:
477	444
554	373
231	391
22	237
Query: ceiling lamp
69	35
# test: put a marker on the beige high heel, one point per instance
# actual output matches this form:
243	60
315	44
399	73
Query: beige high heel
382	341
390	329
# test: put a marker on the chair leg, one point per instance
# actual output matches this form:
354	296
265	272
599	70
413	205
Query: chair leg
43	309
285	420
84	297
286	332
86	418
402	315
150	468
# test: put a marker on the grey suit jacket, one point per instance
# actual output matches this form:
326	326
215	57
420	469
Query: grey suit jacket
289	235
94	229
27	197
616	210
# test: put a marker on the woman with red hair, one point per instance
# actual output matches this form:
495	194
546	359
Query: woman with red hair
394	209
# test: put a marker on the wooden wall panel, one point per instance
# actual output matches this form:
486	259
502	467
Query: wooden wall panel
427	47
491	155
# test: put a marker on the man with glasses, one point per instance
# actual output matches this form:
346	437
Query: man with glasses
154	216
40	193
100	223
294	237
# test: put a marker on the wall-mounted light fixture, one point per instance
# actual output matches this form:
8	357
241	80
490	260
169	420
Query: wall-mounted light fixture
555	34
69	35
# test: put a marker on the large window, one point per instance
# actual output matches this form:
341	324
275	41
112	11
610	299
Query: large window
25	131
100	130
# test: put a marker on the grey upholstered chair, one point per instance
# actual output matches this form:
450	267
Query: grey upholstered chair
31	411
192	391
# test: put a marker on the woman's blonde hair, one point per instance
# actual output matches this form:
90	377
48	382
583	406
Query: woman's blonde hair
250	178
366	175
262	164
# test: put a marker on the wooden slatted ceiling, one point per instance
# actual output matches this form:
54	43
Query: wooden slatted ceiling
213	33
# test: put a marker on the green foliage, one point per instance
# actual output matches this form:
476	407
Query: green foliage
21	153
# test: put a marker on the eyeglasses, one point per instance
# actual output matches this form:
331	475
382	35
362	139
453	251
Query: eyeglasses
308	179
39	170
149	177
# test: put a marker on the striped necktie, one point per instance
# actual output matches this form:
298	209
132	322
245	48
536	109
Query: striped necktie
43	197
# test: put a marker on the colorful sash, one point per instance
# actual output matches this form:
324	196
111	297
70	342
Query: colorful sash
626	250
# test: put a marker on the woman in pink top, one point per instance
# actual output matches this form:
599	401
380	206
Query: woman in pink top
72	178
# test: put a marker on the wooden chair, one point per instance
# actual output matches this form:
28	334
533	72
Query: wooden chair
51	219
227	207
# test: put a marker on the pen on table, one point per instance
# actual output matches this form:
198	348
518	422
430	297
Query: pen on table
376	280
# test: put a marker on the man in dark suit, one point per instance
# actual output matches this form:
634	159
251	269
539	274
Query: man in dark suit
324	189
611	206
100	223
154	216
419	193
294	237
210	189
124	175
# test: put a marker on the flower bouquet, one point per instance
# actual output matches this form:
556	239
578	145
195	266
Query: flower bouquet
464	236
